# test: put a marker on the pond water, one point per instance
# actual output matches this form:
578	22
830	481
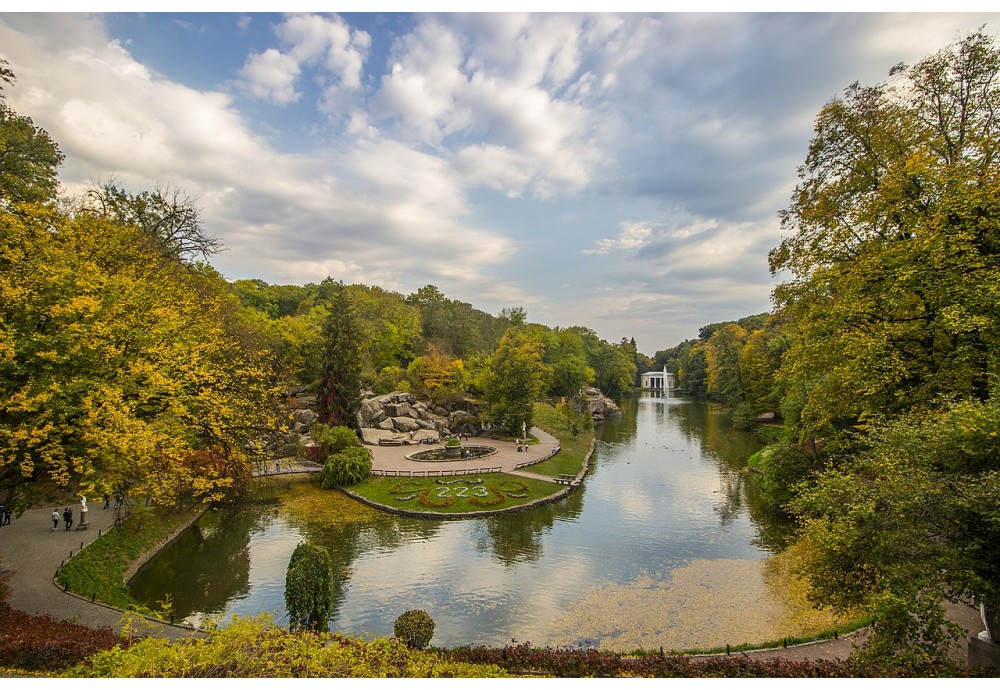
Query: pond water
660	547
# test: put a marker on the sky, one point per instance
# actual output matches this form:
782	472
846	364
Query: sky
618	171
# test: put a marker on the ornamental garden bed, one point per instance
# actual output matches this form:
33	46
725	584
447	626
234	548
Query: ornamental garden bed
454	495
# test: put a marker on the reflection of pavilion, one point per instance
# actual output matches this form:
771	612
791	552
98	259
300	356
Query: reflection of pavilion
662	381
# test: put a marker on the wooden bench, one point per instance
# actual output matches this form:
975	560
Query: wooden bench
390	441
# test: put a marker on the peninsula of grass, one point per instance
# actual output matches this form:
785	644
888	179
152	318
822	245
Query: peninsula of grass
472	493
573	449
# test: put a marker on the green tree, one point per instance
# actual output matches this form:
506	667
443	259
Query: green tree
894	292
346	467
908	524
514	379
28	156
309	588
568	359
414	628
340	382
692	368
389	328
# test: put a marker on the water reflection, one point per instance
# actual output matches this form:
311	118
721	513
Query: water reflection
667	489
519	537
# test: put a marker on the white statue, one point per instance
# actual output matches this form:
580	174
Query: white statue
83	504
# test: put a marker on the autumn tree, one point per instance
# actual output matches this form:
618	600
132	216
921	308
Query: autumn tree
436	373
722	355
892	308
116	364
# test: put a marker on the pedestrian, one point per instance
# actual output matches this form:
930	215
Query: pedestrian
3	513
107	501
55	519
6	518
68	517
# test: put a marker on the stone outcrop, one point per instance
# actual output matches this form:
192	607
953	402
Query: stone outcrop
598	405
402	414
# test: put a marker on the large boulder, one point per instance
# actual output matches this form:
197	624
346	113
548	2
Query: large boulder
598	405
405	424
304	416
368	412
397	409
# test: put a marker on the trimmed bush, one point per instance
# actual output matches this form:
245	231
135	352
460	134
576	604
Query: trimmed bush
347	467
415	628
309	588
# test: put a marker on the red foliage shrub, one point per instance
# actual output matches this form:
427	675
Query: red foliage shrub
590	663
42	643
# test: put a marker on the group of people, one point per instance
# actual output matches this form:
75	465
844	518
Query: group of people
67	517
4	515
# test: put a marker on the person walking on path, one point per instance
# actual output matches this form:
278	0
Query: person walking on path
55	519
68	517
3	513
107	501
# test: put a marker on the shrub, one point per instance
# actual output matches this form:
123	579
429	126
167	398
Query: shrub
347	467
309	588
414	628
42	643
333	439
257	648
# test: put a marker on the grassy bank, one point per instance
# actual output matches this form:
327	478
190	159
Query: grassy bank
573	449
99	570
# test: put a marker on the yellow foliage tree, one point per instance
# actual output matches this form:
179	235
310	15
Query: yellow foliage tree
117	363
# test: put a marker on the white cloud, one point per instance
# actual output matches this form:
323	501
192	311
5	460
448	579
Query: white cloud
372	209
271	76
631	236
324	44
493	93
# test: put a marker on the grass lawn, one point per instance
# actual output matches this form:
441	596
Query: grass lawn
572	449
455	495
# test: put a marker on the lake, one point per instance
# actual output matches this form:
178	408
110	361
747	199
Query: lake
660	547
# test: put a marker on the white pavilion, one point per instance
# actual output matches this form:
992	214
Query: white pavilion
657	380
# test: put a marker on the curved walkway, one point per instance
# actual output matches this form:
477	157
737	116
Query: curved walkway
393	458
34	551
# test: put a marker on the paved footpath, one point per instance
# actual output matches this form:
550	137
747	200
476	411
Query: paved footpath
393	458
34	551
